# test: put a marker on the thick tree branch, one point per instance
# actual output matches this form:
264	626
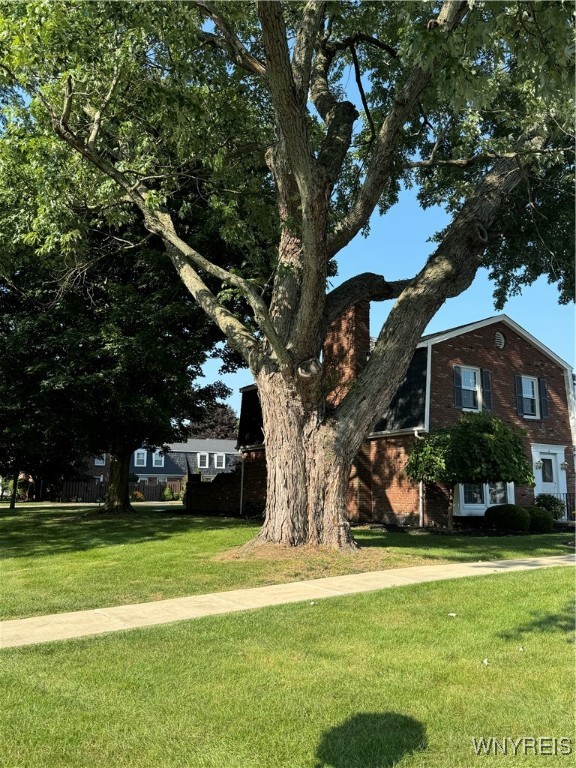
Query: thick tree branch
306	37
235	47
161	224
292	161
290	113
367	286
338	116
448	272
384	159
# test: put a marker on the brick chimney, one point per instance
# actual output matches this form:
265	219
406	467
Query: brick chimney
346	350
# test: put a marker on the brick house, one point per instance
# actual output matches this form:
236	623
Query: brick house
493	365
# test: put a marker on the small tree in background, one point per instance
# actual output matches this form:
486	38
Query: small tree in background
220	423
480	448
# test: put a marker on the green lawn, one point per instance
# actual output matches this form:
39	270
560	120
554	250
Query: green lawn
60	559
368	681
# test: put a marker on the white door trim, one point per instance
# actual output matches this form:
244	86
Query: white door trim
557	454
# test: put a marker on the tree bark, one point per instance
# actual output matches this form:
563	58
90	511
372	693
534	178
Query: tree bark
118	496
451	509
308	470
14	493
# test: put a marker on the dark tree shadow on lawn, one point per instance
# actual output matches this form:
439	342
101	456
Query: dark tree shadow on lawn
371	740
49	532
564	622
457	547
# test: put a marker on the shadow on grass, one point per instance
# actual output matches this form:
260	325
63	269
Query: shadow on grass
42	532
461	548
563	622
371	740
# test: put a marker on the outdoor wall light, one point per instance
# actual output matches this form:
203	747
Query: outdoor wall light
538	465
564	466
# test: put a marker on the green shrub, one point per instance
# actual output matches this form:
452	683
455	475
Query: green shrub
507	517
541	521
552	504
167	493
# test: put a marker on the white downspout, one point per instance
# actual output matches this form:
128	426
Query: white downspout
421	504
420	492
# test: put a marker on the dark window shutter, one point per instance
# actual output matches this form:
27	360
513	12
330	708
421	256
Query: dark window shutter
457	386
543	392
486	390
519	398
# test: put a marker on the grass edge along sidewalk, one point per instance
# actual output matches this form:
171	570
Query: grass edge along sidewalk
41	629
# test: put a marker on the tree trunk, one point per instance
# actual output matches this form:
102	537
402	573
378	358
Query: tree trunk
14	493
118	496
308	471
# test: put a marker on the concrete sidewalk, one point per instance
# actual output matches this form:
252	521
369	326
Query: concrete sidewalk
63	626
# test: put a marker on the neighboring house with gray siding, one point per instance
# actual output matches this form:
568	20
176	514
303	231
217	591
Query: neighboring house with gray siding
203	457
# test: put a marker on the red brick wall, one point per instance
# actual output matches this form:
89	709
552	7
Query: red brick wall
379	490
477	349
395	499
346	350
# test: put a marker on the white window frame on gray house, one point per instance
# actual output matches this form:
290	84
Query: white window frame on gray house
203	460
158	459
220	460
140	457
100	461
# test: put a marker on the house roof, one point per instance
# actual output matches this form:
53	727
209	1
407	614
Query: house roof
449	333
211	445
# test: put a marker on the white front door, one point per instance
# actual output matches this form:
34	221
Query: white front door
547	463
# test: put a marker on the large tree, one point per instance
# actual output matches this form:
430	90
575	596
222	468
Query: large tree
469	101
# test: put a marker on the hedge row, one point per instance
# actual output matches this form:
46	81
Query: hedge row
511	517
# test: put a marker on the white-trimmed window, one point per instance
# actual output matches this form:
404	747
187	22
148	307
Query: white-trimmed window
472	388
220	460
475	498
203	461
529	397
157	459
100	461
140	458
